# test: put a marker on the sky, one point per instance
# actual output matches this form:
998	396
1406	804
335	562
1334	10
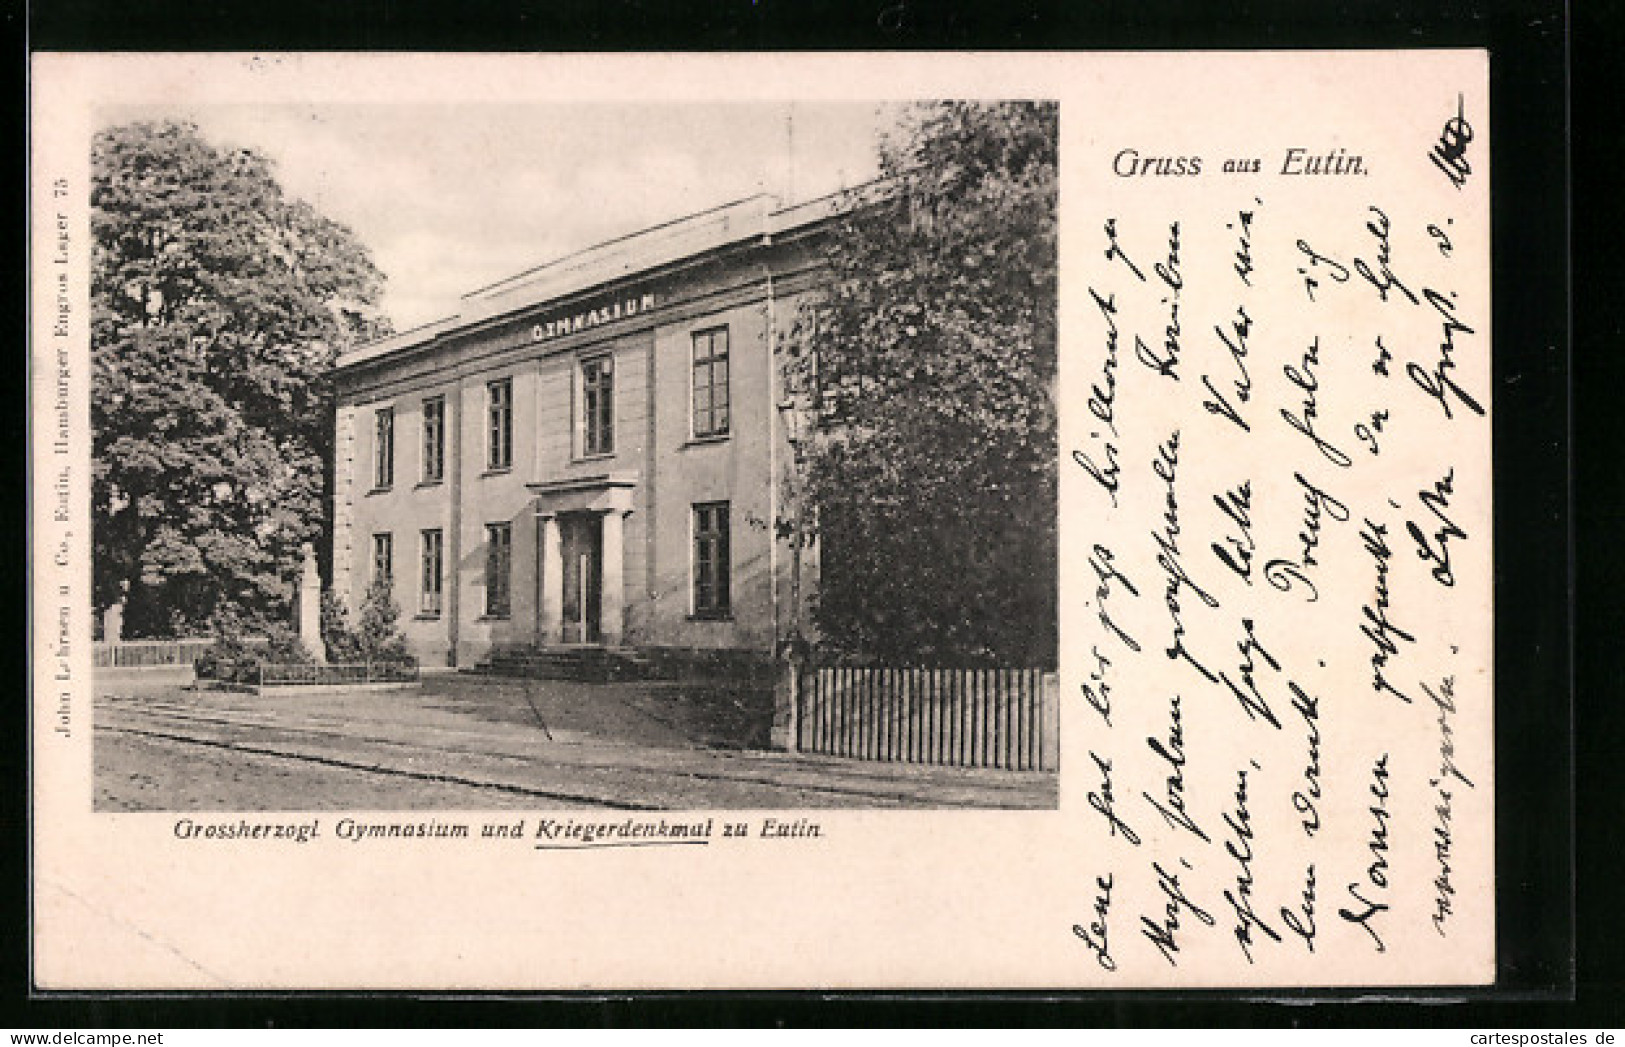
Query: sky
452	198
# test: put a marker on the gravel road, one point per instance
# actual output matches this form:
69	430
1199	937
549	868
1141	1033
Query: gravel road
480	744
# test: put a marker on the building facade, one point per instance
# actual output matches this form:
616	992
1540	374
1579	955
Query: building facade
587	453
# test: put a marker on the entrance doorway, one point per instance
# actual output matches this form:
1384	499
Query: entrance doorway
581	540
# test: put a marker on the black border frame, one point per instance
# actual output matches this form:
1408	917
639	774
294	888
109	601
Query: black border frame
1534	571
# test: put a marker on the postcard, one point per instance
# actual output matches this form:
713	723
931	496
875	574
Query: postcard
844	521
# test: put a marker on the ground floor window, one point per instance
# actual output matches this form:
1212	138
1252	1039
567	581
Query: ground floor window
433	557
498	567
383	558
711	560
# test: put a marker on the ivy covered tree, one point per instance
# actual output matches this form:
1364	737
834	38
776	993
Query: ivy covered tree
218	306
925	376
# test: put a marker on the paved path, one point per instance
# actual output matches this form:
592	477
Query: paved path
462	744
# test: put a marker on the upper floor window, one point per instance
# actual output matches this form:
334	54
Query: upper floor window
434	439
383	448
710	382
499	441
598	405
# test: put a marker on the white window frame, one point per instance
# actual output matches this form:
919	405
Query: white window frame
383	479
693	347
507	580
491	462
385	541
439	590
439	444
694	611
580	405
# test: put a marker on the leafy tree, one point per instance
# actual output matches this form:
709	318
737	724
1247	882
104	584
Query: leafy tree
218	305
925	377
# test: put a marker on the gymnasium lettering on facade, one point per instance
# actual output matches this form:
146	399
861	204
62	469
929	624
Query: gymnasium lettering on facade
563	325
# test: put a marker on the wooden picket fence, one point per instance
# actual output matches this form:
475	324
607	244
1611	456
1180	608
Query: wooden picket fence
155	654
148	654
1004	718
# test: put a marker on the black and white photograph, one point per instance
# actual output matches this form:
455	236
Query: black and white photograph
658	456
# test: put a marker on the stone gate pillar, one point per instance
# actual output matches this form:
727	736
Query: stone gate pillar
113	623
309	604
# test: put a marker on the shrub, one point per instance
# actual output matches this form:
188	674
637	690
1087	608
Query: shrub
343	645
375	638
237	653
283	647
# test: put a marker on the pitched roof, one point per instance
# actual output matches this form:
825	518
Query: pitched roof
753	218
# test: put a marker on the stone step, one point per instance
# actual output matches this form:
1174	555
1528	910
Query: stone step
584	664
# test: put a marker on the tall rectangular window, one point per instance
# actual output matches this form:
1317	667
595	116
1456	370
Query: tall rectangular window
499	444
383	448
711	560
434	439
383	558
498	564
433	561
710	387
598	405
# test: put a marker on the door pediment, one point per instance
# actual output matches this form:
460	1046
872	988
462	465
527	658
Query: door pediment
597	493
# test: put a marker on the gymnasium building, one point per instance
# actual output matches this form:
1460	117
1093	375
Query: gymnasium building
587	453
